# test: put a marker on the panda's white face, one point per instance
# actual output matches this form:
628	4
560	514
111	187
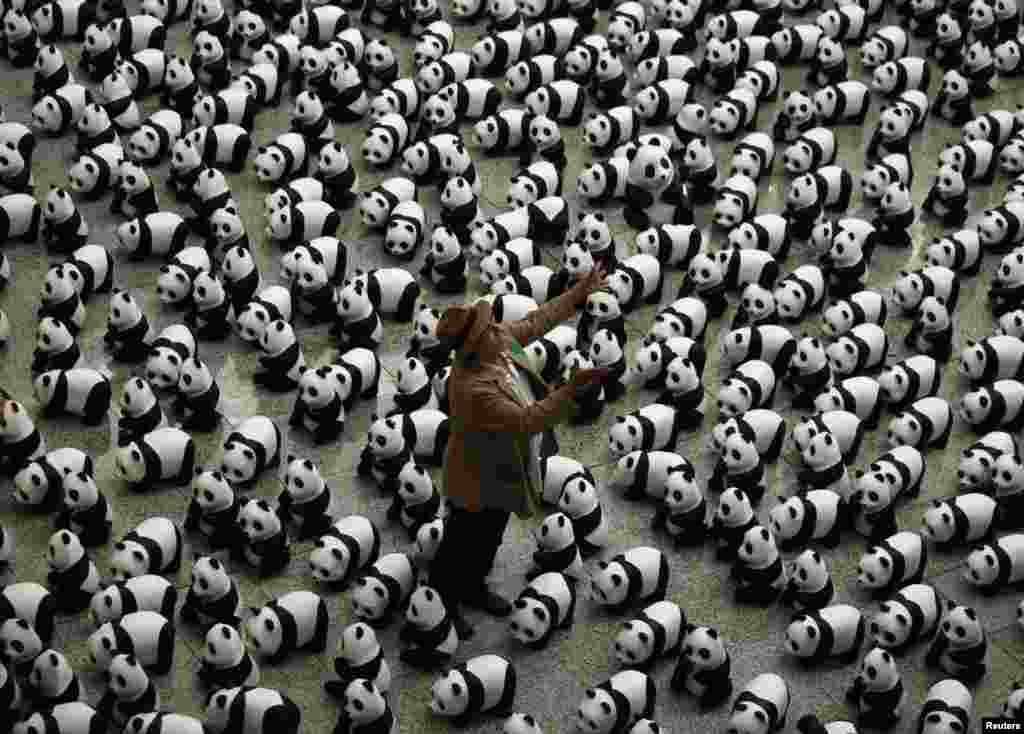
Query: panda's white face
798	158
31	485
874	569
739	454
808	570
379	55
80	491
802	637
843	356
730	209
733	398
59	284
1007	57
873	53
224	648
63	550
19	642
47	115
428	49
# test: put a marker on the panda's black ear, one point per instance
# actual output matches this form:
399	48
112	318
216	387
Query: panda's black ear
197	470
631	154
290	458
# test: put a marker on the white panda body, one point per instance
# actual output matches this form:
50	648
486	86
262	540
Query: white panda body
80	391
998	564
910	380
546	604
644	473
838	632
627	697
926	422
966	518
1000	405
639	575
750	715
300	619
893	563
909	615
863	348
653	428
655	632
492	680
149	636
393	575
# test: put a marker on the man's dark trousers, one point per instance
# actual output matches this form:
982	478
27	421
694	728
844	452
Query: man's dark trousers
471	541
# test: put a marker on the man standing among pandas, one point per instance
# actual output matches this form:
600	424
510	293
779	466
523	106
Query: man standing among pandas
501	419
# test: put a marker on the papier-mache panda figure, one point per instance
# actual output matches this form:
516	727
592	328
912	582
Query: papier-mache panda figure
63	229
163	455
149	593
932	331
135	195
656	632
835	631
485	684
383	588
638	576
809	584
360	655
960	647
428	632
653	191
226	663
925	423
733	517
546	604
252	448
51	681
445	263
152	546
265	546
198	397
129	691
758	569
878	690
912	614
141	412
556	548
348	546
294	621
366	709
82	391
893	563
129	333
762	706
704	668
306	497
947	198
908	381
213	509
268	708
281	358
86	512
683	512
21	440
72	577
967	518
617	704
212	596
948	705
996	565
580	502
